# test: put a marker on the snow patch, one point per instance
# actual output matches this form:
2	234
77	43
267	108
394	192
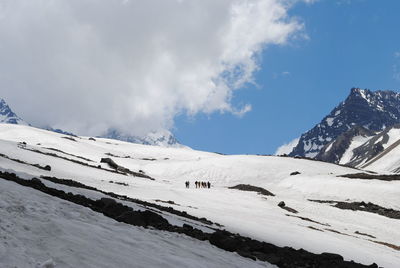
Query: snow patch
329	121
329	147
356	142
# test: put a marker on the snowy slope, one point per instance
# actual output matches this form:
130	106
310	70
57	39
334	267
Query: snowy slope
388	160
331	229
42	229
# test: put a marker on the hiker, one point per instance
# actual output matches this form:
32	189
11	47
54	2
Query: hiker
208	185
187	183
196	183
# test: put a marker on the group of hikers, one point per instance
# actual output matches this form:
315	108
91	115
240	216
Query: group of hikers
199	184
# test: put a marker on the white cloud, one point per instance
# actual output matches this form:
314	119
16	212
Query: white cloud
88	65
287	148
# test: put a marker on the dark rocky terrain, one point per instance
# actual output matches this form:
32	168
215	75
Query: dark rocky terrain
333	151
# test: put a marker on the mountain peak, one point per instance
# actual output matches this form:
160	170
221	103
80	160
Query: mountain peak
373	110
8	116
162	138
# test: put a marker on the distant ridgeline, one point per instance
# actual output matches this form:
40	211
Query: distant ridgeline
162	138
345	135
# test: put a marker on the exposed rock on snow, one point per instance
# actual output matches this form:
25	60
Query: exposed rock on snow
250	188
363	206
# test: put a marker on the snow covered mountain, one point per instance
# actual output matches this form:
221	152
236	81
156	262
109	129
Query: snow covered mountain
372	110
8	116
161	138
83	202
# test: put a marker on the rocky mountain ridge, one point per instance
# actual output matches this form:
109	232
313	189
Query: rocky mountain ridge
371	110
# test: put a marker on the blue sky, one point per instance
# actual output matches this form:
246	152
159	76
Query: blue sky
354	43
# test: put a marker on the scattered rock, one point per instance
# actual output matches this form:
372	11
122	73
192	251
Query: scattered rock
92	139
364	234
119	183
292	210
251	188
108	201
149	159
47	167
295	173
37	181
395	247
113	155
363	206
308	219
366	176
122	169
110	162
283	206
167	202
69	138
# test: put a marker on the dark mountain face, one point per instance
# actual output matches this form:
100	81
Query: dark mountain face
334	151
7	115
372	110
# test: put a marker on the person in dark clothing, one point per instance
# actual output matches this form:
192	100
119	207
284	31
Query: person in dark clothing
208	185
196	183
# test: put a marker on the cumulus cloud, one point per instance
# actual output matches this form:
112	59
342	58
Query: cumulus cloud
87	66
287	148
